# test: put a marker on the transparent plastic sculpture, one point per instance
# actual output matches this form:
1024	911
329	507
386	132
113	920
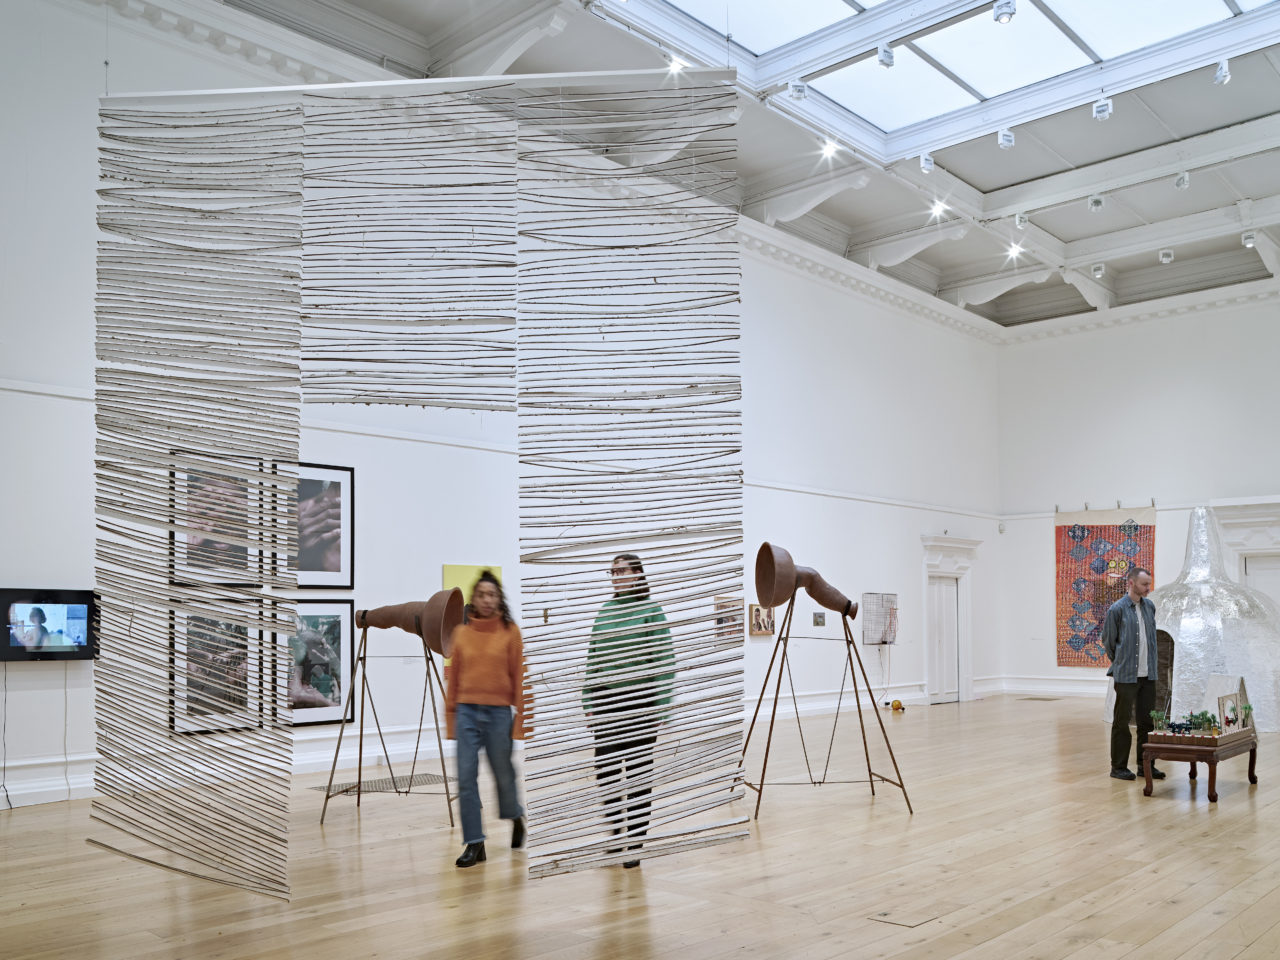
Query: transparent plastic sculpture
1219	627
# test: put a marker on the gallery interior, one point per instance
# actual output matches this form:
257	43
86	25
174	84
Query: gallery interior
890	336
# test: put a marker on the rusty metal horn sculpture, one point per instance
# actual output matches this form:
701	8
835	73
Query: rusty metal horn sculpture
433	620
777	579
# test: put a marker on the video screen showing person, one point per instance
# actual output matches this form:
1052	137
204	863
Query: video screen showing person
48	626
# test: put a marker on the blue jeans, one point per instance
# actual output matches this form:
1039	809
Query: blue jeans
479	725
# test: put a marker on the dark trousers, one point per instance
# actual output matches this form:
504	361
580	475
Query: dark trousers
624	763
1141	695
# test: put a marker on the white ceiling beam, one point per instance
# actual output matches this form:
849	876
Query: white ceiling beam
1269	251
892	251
798	198
988	288
1194	153
1192	228
1099	295
1231	38
499	44
832	47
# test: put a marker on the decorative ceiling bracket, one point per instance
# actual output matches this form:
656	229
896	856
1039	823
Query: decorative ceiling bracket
895	250
1098	294
796	200
981	291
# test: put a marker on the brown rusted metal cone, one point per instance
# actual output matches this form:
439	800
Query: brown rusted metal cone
777	578
433	620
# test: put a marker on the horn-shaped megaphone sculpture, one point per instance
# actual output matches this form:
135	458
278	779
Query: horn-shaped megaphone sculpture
433	620
778	577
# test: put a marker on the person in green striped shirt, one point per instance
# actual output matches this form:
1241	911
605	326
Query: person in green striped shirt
627	695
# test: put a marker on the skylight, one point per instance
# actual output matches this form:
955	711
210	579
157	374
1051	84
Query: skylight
1114	29
761	25
904	94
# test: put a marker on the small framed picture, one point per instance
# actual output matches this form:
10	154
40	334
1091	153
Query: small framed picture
217	681
323	651
760	621
326	527
728	618
214	538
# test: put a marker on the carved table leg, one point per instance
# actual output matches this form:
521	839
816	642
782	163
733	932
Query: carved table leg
1147	764
1192	774
1213	781
1253	762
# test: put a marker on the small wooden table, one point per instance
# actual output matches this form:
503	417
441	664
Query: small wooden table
1209	753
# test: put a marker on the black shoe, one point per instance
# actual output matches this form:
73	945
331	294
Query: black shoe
1156	774
1123	773
630	864
517	833
473	854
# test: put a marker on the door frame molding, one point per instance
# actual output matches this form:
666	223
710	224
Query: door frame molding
952	557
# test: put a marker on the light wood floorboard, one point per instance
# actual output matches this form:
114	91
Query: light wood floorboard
1021	847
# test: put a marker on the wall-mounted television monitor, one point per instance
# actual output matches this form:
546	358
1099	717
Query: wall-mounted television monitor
49	624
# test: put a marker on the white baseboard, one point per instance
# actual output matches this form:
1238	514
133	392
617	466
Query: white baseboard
48	779
1043	686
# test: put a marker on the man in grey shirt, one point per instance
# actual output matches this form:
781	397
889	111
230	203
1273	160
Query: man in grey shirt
1129	637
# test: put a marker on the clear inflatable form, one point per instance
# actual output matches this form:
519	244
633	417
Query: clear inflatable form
1219	626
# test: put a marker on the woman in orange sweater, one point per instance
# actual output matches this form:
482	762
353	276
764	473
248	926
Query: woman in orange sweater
486	680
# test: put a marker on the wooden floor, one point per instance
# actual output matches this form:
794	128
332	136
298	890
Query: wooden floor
1020	847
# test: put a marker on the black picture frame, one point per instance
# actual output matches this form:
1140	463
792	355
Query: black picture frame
323	562
220	673
343	711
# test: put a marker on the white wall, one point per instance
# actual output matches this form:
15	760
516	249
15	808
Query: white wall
1182	409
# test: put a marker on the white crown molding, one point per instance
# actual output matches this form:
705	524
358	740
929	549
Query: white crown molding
271	49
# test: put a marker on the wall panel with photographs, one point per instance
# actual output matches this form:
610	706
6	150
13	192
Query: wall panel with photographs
217	677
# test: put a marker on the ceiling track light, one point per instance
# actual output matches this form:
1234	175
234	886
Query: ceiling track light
1098	270
1003	10
797	90
937	209
1004	139
1166	256
884	55
1249	238
926	163
829	149
675	64
1102	108
1014	251
1182	181
1020	220
1097	202
1222	76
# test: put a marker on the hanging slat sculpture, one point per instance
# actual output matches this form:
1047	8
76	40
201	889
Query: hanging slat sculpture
408	290
630	443
197	413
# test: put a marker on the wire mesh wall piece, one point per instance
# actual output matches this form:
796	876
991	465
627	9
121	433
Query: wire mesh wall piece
629	442
198	402
879	618
409	257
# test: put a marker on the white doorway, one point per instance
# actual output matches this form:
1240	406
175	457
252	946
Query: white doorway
1263	573
943	641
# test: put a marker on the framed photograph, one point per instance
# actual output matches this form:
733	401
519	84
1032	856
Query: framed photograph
326	527
215	517
323	649
728	618
760	621
217	681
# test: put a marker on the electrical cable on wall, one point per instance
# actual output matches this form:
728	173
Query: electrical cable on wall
4	741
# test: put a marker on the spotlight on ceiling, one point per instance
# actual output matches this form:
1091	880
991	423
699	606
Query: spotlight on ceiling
1182	181
797	90
938	208
1020	221
926	163
1004	139
829	149
1249	239
884	55
1166	256
1098	270
675	64
1097	202
1222	76
1102	108
1014	251
1004	10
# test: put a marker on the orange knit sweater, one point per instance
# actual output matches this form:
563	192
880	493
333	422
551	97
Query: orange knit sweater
487	667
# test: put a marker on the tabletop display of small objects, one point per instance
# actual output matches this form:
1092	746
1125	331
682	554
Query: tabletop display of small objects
1204	728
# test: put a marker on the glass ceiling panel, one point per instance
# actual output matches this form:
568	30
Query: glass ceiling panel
1114	29
1248	5
995	57
761	25
906	93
